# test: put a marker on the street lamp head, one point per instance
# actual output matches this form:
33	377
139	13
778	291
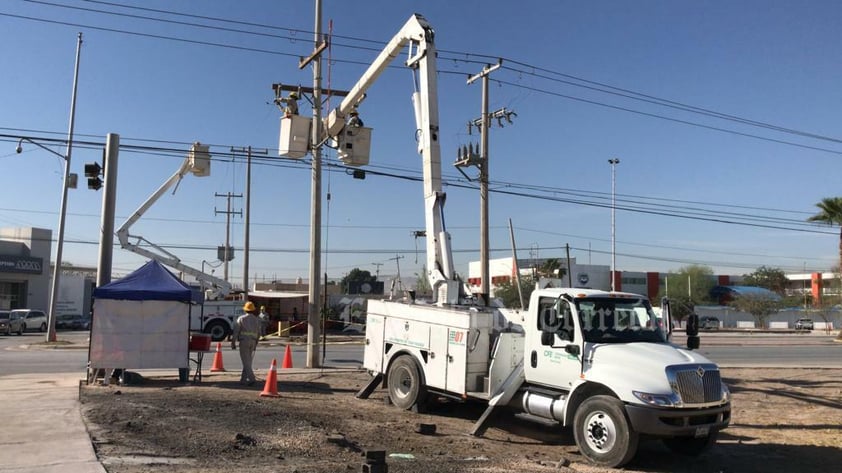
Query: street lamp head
19	148
614	161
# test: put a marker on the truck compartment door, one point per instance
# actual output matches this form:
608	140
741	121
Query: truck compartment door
374	346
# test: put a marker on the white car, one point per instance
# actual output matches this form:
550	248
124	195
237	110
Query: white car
30	319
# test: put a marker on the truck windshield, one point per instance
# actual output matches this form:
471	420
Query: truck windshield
611	320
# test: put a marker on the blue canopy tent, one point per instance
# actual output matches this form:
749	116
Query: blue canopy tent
142	321
152	281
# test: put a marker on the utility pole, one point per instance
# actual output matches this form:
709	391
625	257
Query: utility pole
569	269
397	260
248	152
483	124
377	271
227	254
109	198
314	302
613	162
51	320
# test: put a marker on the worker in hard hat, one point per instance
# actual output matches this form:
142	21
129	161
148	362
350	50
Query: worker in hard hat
291	102
264	322
355	120
246	333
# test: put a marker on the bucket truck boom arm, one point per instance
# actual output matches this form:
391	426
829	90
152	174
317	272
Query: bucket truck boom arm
419	35
198	163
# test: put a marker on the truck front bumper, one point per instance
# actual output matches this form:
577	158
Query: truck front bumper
678	422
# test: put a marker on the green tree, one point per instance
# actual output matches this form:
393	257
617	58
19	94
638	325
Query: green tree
551	268
773	279
688	287
759	306
422	282
357	275
831	214
508	294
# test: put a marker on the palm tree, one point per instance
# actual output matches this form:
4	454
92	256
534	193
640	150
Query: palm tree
831	214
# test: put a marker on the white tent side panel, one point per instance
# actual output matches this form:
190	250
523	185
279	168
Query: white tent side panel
140	334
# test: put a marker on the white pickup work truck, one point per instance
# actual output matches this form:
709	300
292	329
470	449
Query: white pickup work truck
598	361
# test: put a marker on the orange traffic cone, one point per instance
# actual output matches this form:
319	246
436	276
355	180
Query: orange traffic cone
287	358
217	359
270	389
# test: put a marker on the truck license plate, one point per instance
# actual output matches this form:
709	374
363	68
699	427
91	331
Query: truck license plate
702	431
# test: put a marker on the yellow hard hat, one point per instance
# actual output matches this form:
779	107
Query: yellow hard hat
293	95
248	306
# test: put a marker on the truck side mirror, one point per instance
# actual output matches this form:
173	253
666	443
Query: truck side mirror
692	327
572	349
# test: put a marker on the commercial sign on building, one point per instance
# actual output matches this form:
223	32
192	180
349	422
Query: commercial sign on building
21	264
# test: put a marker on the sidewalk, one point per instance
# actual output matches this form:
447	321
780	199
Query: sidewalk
48	433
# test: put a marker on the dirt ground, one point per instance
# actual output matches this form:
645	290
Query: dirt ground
783	420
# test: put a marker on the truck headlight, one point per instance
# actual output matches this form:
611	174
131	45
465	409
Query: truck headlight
726	393
659	400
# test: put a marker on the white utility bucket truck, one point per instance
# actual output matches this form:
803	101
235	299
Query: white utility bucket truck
598	361
217	314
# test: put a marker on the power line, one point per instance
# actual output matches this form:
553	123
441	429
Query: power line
531	70
664	117
582	198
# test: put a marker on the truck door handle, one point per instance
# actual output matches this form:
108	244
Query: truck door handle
534	359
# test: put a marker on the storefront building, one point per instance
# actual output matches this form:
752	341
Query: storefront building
25	268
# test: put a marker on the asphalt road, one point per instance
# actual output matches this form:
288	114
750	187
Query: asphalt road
25	354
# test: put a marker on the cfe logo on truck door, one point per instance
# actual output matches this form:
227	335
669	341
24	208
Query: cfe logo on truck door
456	337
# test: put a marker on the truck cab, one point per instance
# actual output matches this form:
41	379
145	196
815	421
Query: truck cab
602	363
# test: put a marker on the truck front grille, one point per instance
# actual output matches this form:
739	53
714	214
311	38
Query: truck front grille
697	384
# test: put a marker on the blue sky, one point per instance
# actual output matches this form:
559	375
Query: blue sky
774	62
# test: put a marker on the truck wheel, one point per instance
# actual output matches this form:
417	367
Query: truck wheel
690	446
406	387
602	432
218	330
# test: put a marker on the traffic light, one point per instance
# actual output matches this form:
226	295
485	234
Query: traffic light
92	172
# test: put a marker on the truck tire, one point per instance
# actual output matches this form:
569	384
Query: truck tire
603	433
406	385
690	446
217	329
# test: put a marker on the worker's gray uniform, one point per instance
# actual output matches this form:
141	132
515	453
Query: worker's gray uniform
246	333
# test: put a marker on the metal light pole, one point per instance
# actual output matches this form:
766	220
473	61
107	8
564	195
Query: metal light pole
51	332
613	162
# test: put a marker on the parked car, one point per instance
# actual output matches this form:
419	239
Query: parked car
707	322
804	324
7	325
72	322
10	323
30	319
